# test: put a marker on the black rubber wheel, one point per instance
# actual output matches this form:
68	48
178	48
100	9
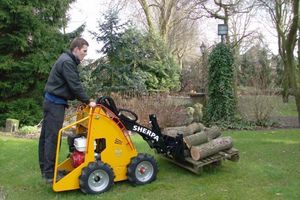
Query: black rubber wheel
128	115
96	178
142	169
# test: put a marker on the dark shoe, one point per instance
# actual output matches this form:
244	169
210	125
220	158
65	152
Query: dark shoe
48	180
59	176
43	176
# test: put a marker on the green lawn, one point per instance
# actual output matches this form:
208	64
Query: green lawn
268	169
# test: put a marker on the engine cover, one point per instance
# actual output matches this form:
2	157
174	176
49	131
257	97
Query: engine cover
77	158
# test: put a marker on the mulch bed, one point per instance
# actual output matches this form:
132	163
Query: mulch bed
286	122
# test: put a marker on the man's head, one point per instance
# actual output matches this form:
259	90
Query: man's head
79	48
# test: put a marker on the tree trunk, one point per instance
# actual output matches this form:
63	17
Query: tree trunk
210	148
202	137
297	98
184	130
285	86
145	7
193	128
297	92
212	132
173	131
195	139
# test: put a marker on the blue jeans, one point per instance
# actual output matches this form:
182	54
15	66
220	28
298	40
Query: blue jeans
52	123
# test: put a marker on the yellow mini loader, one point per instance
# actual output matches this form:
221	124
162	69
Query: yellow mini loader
101	151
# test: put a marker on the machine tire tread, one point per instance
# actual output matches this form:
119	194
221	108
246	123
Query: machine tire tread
86	171
132	178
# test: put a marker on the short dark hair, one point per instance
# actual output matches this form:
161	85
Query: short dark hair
78	42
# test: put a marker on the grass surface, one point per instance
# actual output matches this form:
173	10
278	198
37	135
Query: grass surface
268	169
287	109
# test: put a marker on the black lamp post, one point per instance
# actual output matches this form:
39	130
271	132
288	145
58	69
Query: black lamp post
202	48
203	71
222	30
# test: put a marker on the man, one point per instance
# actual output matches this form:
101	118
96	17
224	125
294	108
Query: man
63	84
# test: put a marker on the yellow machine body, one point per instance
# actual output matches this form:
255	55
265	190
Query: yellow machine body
102	126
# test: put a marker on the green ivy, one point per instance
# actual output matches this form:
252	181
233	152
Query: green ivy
221	105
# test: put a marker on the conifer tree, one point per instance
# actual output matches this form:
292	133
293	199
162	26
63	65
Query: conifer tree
134	60
30	41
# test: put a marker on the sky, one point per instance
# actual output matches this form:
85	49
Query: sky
90	11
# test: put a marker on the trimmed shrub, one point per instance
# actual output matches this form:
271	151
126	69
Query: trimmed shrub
25	130
27	111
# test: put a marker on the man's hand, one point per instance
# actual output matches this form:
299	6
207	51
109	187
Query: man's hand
92	104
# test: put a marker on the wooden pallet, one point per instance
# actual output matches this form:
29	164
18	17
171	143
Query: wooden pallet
211	161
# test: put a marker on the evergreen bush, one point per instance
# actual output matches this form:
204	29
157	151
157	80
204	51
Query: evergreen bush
134	60
27	111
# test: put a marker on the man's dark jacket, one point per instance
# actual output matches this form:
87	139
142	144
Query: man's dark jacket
64	81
